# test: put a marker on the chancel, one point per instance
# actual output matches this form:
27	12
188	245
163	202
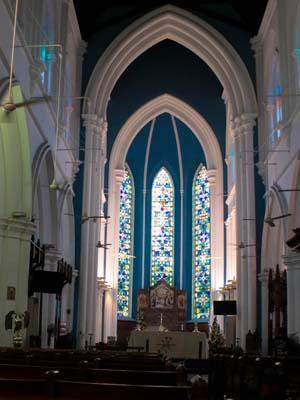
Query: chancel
149	196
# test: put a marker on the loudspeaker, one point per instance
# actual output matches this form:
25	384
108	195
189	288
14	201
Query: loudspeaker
225	307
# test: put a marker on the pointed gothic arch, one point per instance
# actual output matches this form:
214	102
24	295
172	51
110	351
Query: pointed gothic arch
205	135
176	24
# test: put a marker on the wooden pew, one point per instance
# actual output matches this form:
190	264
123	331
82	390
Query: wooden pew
83	373
120	360
15	389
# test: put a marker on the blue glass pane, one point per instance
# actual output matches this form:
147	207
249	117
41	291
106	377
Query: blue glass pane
125	246
162	265
201	246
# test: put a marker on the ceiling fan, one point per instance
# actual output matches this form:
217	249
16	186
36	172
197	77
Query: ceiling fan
270	220
85	217
124	255
288	190
242	245
92	217
100	245
9	105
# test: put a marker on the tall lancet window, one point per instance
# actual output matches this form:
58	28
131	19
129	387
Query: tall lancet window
162	228
125	245
201	245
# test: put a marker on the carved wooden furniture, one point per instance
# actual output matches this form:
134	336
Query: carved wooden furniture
162	301
277	316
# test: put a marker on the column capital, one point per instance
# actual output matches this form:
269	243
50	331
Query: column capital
52	256
292	261
263	277
119	175
212	176
75	272
244	124
17	228
91	123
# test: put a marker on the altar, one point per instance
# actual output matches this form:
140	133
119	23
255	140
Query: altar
172	344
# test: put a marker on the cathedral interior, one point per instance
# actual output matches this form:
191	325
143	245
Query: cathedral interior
154	201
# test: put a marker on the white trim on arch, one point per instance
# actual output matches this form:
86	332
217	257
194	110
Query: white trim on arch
173	23
205	135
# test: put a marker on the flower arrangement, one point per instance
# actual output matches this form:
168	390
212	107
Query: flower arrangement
140	322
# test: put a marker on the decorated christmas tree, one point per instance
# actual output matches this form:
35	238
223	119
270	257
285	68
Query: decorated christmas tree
216	338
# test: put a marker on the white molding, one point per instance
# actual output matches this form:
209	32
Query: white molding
173	23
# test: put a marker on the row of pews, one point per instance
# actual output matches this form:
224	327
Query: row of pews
65	375
249	377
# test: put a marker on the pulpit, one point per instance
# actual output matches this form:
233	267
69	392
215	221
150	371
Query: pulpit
162	303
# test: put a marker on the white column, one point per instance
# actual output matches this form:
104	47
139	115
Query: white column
264	279
15	235
99	313
248	124
100	159
111	273
245	208
49	299
93	226
239	213
292	262
88	271
216	238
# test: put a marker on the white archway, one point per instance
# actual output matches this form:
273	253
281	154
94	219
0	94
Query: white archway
186	29
199	126
173	23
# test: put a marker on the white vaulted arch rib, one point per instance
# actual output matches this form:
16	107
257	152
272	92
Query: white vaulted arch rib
173	23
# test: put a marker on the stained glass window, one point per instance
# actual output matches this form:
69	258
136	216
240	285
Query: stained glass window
201	246
162	235
125	245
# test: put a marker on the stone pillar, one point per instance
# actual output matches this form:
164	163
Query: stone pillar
245	230
111	273
99	312
91	206
100	160
292	262
264	279
247	126
15	236
49	299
